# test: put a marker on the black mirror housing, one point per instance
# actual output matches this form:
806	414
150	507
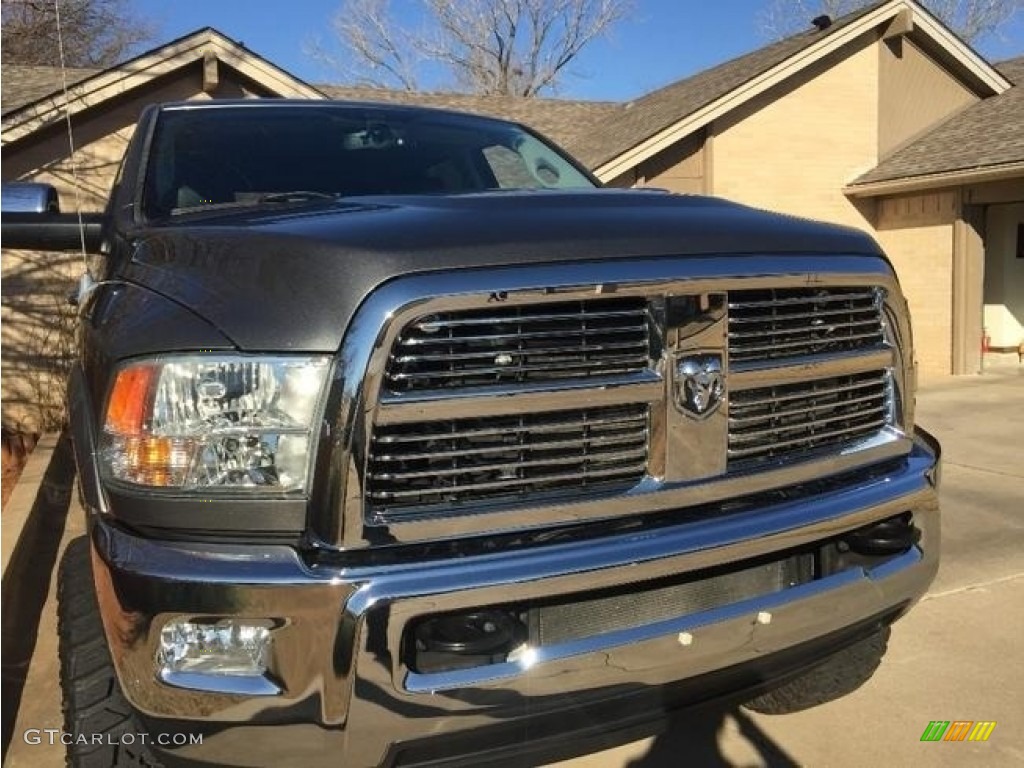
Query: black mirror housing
51	231
30	217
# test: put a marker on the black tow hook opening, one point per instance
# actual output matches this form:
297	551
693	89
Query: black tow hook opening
461	640
892	536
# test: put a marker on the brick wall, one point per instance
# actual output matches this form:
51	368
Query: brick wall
916	232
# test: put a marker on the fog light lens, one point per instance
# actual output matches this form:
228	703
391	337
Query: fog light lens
224	647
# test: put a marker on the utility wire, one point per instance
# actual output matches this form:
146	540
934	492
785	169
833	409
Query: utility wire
71	137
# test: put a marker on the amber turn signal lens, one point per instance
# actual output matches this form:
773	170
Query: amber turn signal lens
130	399
156	461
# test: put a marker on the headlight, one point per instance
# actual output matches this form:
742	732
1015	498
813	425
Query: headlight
207	422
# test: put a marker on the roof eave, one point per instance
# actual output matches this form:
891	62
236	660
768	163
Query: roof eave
116	80
935	180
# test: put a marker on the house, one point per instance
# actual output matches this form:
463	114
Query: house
882	120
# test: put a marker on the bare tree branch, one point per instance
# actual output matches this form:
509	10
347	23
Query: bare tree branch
96	33
514	47
972	20
383	47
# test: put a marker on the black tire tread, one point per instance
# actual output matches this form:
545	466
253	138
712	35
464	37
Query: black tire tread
93	701
835	677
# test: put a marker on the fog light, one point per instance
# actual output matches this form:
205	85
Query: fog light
236	647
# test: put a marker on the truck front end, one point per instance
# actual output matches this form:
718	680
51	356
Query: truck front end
390	476
548	499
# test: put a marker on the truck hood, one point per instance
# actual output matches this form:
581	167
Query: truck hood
289	278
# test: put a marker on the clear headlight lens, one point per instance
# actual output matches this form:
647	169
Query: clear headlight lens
207	422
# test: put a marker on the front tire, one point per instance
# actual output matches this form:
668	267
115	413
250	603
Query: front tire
839	674
96	713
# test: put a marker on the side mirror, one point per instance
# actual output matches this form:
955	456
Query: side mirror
29	197
30	218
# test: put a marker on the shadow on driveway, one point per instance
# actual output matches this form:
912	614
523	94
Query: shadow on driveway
26	582
695	739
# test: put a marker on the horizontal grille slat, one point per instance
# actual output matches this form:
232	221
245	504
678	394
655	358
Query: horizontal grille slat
505	458
747	318
782	422
851	324
820	438
521	344
500	485
554	368
498	317
802	409
781	323
740	350
822	425
571	351
553	461
789	297
546	445
415	342
438	429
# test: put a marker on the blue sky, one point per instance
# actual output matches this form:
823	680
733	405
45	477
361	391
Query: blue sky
662	41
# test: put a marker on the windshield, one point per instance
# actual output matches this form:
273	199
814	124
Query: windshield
239	155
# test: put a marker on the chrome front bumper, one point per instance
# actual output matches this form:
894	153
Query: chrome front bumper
338	691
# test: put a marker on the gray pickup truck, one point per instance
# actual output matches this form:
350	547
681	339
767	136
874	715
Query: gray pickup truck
402	443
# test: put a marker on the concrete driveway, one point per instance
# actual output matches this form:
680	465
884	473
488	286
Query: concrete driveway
957	656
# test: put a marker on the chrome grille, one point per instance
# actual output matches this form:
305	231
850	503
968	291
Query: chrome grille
533	343
532	397
787	421
505	458
779	323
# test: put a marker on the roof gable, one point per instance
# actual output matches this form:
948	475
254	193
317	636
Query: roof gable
985	140
94	87
659	119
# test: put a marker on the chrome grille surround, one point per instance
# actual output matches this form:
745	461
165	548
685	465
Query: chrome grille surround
687	462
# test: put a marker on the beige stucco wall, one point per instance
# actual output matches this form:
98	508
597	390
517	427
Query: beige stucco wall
914	94
36	324
794	148
916	232
679	168
1004	275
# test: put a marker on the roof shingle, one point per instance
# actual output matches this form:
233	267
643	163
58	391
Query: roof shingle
569	123
24	84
